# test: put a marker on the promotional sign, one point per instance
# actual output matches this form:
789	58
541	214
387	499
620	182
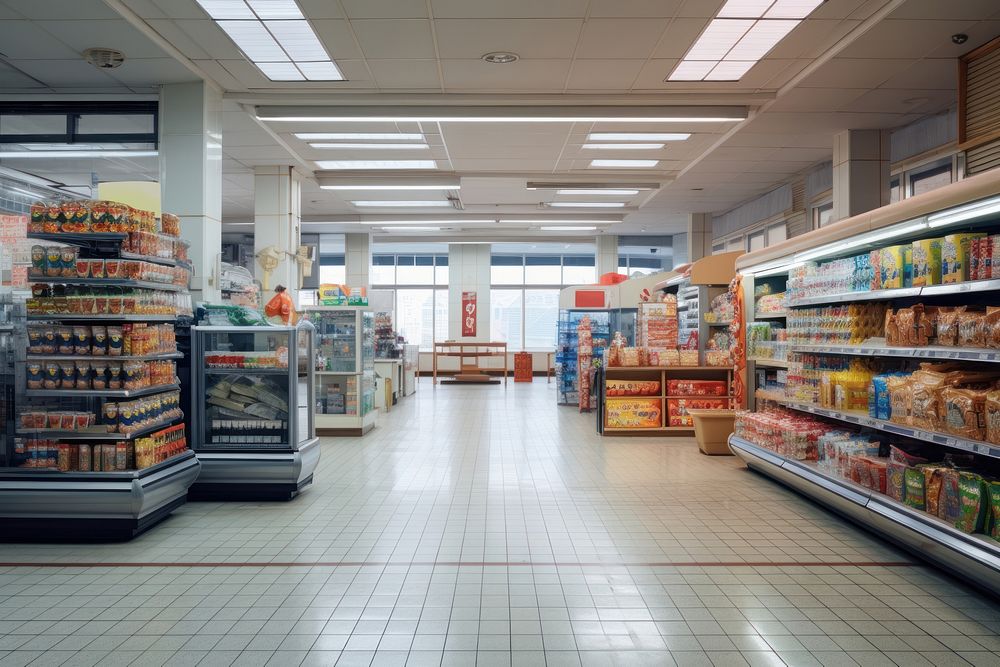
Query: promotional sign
331	294
468	314
15	250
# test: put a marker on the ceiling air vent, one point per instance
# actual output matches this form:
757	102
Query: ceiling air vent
104	58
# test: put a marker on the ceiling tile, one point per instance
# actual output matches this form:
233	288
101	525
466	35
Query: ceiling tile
26	40
152	72
812	38
895	100
539	38
633	8
603	74
114	34
503	164
678	37
937	73
146	9
935	9
509	9
181	9
855	73
10	78
384	9
322	9
699	8
619	38
518	76
220	74
653	73
817	99
71	10
72	73
179	38
395	38
405	73
210	37
337	38
905	39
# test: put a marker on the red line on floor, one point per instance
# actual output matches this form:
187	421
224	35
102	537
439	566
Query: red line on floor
470	564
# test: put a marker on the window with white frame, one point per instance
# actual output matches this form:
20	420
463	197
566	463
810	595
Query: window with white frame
822	214
419	282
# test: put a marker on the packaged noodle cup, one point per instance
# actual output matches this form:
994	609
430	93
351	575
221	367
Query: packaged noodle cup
97	268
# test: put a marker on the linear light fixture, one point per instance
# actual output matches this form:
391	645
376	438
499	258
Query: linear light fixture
597	191
742	33
359	136
95	153
567	229
586	204
643	164
557	221
597	186
276	37
638	136
412	229
371	147
398	181
501	114
376	164
371	203
622	147
389	186
424	222
832	249
962	213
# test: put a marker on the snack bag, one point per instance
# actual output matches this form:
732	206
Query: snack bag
949	502
933	479
972	493
915	490
895	486
994	502
955	256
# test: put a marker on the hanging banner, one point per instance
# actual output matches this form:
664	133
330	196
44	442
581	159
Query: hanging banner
469	315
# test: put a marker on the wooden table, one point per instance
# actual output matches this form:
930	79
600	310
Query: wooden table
470	372
550	366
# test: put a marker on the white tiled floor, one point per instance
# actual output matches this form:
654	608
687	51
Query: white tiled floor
484	525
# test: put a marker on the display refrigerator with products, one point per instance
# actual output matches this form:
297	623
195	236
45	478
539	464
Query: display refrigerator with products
889	356
345	369
570	365
100	447
253	428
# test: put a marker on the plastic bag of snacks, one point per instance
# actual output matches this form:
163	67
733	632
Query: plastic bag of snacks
972	494
915	490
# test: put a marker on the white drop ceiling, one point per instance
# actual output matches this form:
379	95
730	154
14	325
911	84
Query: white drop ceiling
851	64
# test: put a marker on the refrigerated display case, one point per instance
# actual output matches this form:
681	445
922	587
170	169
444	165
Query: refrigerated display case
253	428
567	349
345	370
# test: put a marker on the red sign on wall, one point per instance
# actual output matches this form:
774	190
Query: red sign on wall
469	315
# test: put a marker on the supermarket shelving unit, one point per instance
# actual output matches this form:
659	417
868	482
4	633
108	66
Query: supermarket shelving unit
969	205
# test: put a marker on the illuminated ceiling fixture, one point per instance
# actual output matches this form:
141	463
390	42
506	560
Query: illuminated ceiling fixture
567	229
359	136
557	221
643	164
597	191
95	153
586	204
416	221
393	203
502	114
622	147
638	136
742	33
389	182
376	164
276	37
371	147
412	229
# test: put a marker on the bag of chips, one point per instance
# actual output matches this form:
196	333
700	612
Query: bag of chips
949	502
972	493
895	485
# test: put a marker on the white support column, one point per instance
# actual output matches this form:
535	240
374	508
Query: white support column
860	172
607	254
699	236
469	271
191	175
358	259
277	195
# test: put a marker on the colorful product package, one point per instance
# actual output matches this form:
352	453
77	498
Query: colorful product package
994	501
926	262
915	490
677	409
892	267
972	494
895	485
634	413
956	250
632	387
949	502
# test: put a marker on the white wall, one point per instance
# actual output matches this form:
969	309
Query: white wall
469	271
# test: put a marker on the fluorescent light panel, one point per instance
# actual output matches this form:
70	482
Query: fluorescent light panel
522	114
419	222
372	147
376	164
597	191
394	203
83	154
623	147
276	37
742	33
587	204
389	186
412	229
645	164
567	229
557	221
638	136
359	136
967	212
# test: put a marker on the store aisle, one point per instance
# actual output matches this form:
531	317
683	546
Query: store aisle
484	525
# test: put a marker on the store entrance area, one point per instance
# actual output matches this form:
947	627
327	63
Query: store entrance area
486	525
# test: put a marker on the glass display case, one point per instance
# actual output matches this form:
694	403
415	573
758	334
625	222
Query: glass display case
345	369
253	427
567	358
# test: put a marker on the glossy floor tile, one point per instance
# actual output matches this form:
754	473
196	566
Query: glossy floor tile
487	526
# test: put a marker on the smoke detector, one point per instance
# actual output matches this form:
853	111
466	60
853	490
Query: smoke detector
500	57
104	58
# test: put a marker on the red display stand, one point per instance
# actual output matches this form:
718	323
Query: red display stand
522	367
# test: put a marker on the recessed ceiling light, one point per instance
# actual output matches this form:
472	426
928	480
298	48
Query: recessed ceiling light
70	154
412	229
389	186
358	136
500	57
395	203
638	136
586	204
275	9
376	164
525	114
425	222
567	229
558	221
623	147
373	147
597	191
624	163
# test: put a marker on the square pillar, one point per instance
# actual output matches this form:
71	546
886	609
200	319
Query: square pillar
277	195
469	271
191	175
358	259
860	172
699	236
607	254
